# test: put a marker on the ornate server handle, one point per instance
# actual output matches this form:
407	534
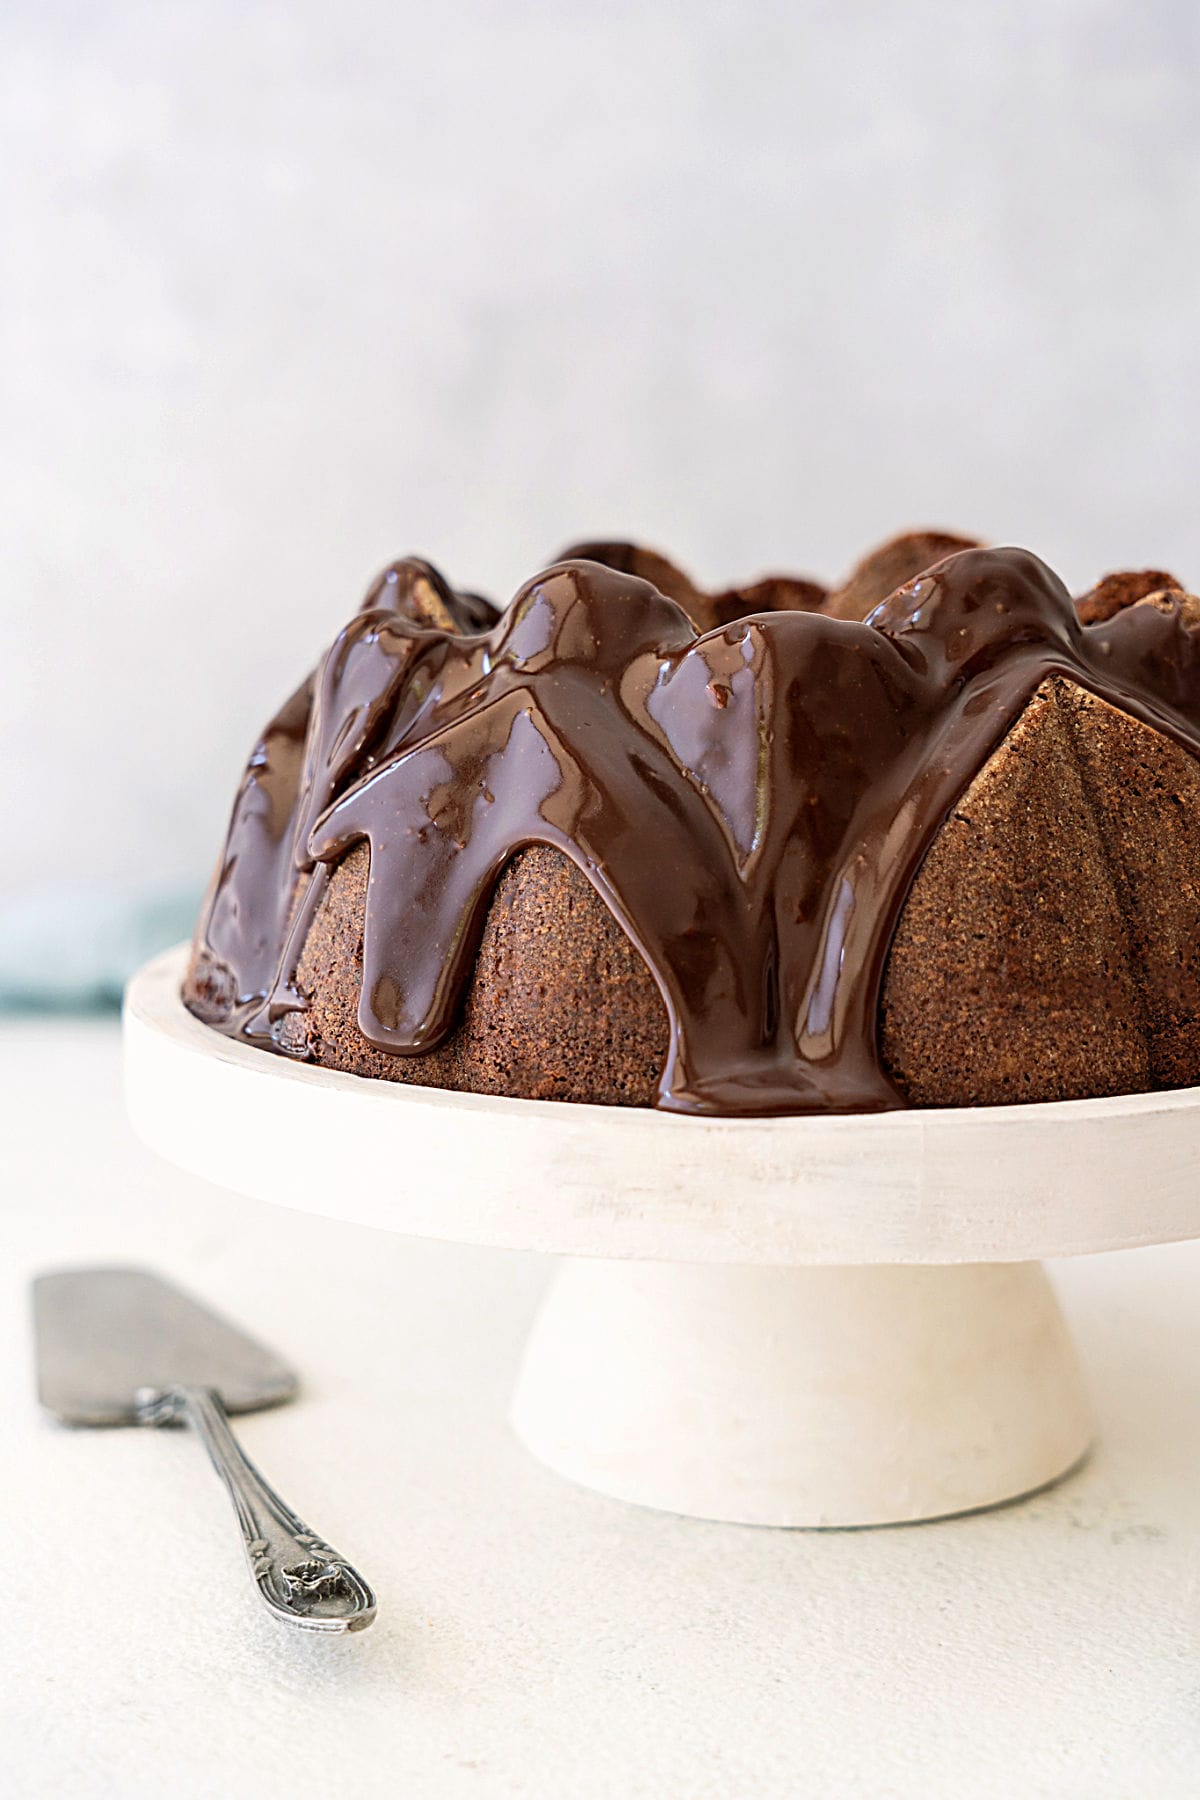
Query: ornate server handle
299	1576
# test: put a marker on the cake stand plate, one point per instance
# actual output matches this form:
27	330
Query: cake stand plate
824	1321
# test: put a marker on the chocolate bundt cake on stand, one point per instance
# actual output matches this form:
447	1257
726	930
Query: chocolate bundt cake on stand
832	952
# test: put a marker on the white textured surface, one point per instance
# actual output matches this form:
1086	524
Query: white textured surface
289	288
536	1640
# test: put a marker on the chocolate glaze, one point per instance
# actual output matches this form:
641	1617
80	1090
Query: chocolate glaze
752	803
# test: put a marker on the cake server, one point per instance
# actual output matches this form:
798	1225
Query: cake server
122	1347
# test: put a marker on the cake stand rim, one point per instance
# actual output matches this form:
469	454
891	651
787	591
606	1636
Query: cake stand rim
923	1182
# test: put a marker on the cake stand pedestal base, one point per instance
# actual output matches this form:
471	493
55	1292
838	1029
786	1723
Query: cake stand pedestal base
821	1396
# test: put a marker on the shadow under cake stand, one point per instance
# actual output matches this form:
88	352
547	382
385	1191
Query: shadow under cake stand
816	1321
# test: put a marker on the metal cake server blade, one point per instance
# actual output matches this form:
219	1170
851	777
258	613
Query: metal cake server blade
122	1347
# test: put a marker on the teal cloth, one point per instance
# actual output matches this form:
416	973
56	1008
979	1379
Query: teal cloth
73	949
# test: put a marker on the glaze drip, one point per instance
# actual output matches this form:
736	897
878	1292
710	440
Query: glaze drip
752	803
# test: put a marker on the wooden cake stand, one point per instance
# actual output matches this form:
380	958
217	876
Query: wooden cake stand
808	1321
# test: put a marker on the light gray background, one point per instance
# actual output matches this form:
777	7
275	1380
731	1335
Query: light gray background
289	289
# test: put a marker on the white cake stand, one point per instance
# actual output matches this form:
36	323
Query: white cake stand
815	1321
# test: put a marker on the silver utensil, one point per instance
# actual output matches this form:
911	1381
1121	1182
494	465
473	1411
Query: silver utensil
122	1347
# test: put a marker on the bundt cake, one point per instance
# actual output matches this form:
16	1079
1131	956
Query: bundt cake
931	838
